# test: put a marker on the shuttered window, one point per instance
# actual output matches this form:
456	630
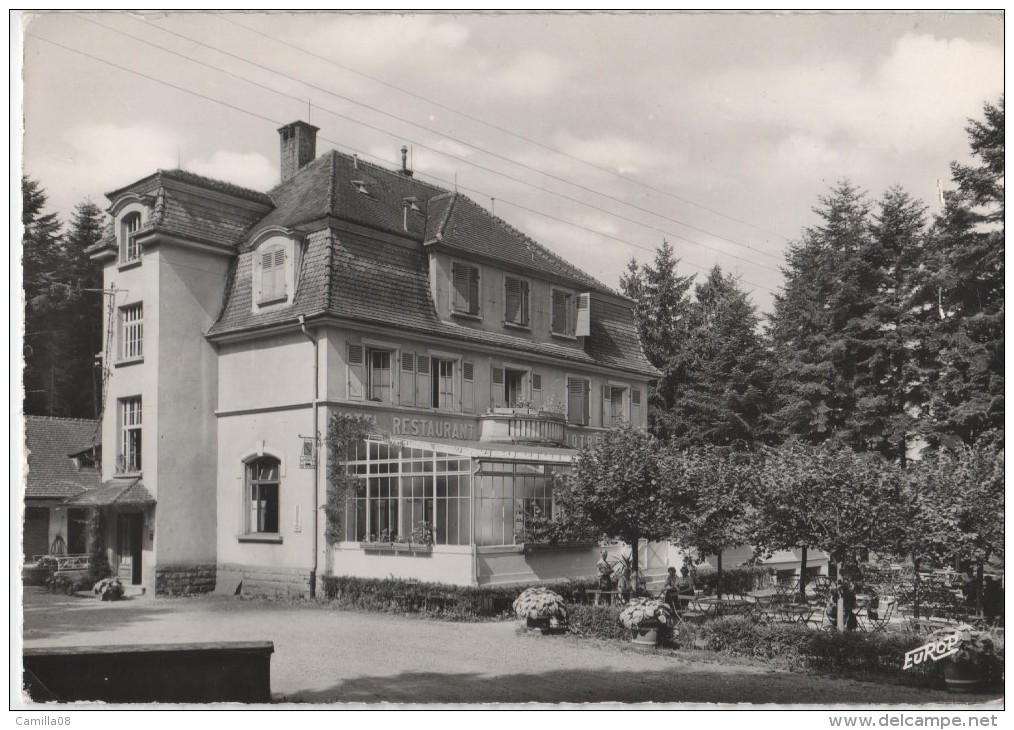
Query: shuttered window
578	401
536	381
378	375
613	410
355	360
272	283
465	285
563	314
516	296
443	384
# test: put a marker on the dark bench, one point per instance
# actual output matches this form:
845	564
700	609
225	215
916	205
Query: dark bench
231	671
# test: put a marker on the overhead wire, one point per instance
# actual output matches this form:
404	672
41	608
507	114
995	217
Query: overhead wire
470	145
395	135
498	128
360	152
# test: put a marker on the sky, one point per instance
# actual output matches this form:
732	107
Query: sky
597	134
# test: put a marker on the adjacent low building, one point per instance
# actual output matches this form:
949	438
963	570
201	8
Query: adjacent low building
244	322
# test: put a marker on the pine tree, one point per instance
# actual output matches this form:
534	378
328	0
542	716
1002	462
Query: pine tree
662	308
964	296
821	325
722	398
41	254
889	392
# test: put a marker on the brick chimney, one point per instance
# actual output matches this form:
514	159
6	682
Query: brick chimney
298	146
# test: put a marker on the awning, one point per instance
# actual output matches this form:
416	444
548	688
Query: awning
490	450
114	493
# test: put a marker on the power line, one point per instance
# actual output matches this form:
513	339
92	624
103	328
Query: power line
491	125
360	152
477	148
394	135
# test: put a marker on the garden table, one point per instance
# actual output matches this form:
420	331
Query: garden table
796	613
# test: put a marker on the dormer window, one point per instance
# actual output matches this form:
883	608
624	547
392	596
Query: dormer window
272	275
464	289
564	312
361	186
130	250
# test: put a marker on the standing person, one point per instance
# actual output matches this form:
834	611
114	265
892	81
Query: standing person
639	583
605	572
669	589
992	599
623	584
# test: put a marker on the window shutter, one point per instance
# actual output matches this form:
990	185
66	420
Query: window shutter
423	386
537	390
467	387
495	386
635	406
512	312
559	314
582	327
586	386
536	381
473	290
459	275
354	361
606	395
407	379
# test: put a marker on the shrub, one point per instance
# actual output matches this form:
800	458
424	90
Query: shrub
399	595
109	589
803	648
60	584
599	622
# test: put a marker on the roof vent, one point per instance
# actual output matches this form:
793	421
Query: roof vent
361	186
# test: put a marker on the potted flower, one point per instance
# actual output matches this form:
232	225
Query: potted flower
648	619
109	589
542	610
976	660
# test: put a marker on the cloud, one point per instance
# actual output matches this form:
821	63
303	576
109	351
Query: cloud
377	40
250	170
530	73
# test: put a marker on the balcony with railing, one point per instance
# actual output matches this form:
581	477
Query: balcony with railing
522	425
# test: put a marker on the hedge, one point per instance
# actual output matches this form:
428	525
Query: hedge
597	622
803	648
738	580
453	602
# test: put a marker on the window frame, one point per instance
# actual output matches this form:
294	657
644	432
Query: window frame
130	448
368	384
525	306
624	416
252	485
130	249
437	361
455	311
570	326
278	270
128	326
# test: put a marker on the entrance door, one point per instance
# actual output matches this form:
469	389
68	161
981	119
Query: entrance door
36	532
129	527
77	520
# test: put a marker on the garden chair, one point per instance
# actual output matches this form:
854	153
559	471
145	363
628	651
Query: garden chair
877	621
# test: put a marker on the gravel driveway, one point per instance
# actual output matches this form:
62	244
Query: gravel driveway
324	655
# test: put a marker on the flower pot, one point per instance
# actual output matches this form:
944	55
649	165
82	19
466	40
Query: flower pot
544	625
962	675
647	636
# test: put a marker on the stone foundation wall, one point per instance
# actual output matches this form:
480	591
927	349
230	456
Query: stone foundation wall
184	580
263	580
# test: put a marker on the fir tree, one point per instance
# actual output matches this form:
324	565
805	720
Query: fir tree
821	326
965	293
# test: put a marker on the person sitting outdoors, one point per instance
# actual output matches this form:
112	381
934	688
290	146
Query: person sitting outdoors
846	590
685	588
669	589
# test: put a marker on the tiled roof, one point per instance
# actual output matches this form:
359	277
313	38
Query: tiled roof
389	285
120	491
50	441
153	182
332	185
471	229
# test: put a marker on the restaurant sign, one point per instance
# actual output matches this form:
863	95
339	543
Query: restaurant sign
433	428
